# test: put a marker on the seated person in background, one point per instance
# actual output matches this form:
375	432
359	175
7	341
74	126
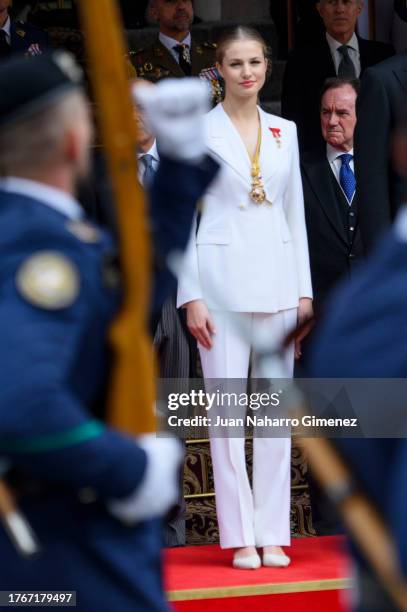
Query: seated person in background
339	53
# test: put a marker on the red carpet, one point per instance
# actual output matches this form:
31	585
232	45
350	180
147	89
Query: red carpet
201	578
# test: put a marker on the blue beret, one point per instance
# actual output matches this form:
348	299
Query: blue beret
29	84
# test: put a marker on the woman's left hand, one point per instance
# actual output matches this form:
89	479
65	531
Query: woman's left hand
305	313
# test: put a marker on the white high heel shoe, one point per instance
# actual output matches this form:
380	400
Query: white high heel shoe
252	562
271	560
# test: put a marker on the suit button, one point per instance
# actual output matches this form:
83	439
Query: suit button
351	229
352	214
351	256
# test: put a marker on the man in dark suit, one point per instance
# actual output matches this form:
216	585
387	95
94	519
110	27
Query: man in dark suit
330	198
383	93
19	37
339	53
330	191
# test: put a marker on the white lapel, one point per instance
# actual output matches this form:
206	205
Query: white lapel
225	142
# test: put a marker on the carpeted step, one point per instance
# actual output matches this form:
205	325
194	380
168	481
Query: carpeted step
202	579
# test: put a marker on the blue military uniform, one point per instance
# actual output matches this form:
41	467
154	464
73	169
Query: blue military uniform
365	336
66	464
53	364
21	37
60	291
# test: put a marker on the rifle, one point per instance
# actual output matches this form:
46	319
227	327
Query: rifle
131	398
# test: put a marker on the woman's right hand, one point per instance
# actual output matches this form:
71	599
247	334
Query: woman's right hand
200	323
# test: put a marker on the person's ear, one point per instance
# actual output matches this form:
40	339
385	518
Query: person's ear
399	148
72	147
152	12
361	7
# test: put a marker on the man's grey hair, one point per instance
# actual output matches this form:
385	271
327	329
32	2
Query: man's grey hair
33	143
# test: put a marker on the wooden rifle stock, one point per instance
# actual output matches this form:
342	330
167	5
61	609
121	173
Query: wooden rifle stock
360	517
132	383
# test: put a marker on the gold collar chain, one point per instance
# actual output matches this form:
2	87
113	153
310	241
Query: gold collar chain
257	193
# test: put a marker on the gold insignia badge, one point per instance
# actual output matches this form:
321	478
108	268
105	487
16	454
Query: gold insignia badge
49	280
148	66
199	50
84	231
21	33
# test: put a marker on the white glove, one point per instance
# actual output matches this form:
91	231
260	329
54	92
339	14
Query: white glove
159	489
174	110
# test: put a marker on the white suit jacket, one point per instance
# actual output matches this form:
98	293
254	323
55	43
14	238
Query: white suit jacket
247	257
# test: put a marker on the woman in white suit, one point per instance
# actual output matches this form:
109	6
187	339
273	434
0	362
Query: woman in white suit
248	265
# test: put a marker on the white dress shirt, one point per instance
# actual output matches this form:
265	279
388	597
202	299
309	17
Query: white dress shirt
55	198
6	29
335	162
353	49
169	43
156	160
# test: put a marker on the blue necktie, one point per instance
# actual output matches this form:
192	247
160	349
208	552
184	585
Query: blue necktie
148	169
346	176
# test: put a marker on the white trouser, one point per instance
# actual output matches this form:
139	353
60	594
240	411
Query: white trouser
260	517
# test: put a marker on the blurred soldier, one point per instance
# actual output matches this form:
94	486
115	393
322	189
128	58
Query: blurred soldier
19	37
174	53
339	53
93	496
365	336
384	90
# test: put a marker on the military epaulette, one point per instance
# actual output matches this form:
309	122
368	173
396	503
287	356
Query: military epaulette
205	47
21	29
